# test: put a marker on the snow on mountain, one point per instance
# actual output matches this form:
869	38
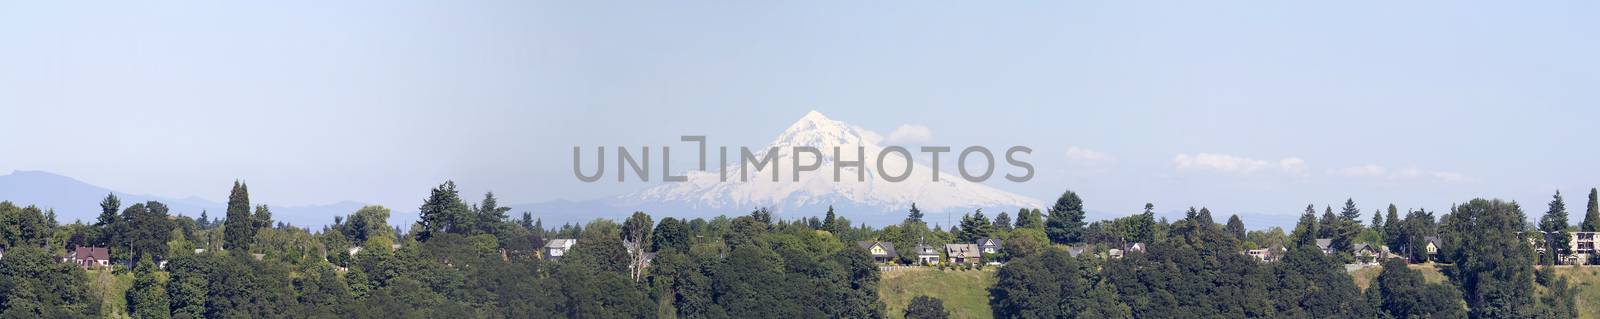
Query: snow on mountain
817	188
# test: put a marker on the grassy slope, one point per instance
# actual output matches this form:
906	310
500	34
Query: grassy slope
965	293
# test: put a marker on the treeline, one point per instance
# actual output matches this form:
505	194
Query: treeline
1193	268
459	261
464	260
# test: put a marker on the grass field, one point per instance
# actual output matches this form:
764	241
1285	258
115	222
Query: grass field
965	293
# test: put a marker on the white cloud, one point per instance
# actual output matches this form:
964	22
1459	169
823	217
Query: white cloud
1292	164
910	133
1374	171
1219	162
1084	155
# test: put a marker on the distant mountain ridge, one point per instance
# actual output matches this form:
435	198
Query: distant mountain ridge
76	200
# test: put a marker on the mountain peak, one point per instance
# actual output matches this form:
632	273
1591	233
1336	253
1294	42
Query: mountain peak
797	191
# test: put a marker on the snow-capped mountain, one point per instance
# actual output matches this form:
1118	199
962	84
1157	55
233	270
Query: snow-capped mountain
871	198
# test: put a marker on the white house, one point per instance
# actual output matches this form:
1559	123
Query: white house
556	248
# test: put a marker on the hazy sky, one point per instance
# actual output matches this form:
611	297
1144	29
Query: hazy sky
1247	106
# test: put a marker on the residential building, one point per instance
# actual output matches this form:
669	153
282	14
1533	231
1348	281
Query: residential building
88	257
927	255
989	245
1431	243
1129	248
1325	245
556	248
963	253
1263	255
881	251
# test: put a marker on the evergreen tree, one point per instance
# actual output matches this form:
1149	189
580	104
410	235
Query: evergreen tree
974	227
1305	232
239	229
1350	212
1377	221
1030	218
1065	224
1591	219
106	225
262	217
1554	226
1392	227
490	215
443	212
1236	228
915	215
830	221
1002	222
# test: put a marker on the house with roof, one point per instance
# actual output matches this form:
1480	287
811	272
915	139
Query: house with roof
963	253
1366	252
1325	245
989	245
557	248
926	255
1431	243
881	251
1128	248
88	257
1263	255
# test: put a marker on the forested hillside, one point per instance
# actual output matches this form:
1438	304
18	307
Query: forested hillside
475	260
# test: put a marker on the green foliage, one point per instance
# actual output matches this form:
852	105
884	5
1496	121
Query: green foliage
1402	293
1591	217
34	285
443	212
239	229
924	307
148	230
974	227
1493	265
1065	224
148	297
1554	225
1053	285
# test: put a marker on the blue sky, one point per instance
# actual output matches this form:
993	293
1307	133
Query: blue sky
1245	107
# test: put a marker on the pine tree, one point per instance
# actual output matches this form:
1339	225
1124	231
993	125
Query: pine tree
443	211
1065	224
1235	228
106	225
1591	219
829	219
1350	212
1554	226
915	214
1377	221
239	229
1392	230
1002	222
